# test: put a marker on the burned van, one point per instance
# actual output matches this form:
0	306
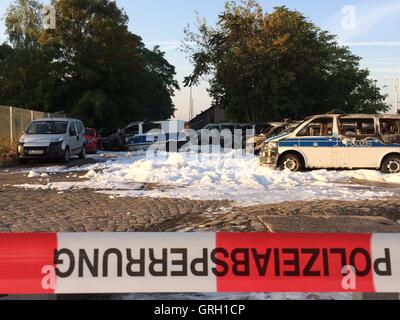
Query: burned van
337	141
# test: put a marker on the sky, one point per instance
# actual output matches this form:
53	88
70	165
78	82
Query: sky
369	27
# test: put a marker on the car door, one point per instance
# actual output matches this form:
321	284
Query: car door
317	142
80	133
153	132
357	144
132	135
74	143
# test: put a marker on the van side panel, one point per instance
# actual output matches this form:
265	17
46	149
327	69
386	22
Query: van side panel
319	152
364	157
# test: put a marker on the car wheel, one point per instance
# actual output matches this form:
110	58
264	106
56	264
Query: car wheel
67	155
22	161
391	165
82	155
291	162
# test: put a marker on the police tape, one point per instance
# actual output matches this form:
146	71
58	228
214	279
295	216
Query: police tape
88	263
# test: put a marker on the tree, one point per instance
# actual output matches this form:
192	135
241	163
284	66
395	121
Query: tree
164	84
21	63
91	67
22	73
270	66
101	69
23	23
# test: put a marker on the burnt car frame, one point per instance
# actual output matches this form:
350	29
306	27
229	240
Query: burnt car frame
337	141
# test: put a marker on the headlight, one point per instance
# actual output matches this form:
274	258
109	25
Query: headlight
20	148
270	145
57	140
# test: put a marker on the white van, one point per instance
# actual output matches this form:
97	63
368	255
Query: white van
337	141
57	138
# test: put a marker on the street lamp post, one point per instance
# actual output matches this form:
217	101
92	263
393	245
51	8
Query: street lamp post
397	89
191	105
395	84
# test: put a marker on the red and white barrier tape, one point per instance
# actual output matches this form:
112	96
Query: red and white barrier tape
198	262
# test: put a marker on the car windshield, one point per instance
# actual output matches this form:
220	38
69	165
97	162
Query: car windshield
291	129
210	127
48	127
89	132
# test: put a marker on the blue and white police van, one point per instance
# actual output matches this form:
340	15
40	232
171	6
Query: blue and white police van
142	135
337	141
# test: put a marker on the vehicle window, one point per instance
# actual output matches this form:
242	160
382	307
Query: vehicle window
247	127
390	126
106	132
72	130
212	127
132	130
263	129
151	126
279	130
47	127
231	128
322	127
79	127
356	127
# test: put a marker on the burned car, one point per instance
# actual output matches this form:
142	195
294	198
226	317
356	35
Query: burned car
270	130
227	135
337	141
141	135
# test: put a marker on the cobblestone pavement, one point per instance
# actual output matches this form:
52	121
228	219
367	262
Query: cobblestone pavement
87	211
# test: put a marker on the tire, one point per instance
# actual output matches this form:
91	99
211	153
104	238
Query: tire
391	165
67	155
291	162
22	161
82	155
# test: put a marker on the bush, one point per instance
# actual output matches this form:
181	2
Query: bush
7	150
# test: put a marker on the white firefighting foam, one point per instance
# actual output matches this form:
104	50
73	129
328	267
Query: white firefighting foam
228	175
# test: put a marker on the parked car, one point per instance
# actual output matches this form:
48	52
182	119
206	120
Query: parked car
222	134
337	141
103	135
270	130
141	135
58	138
92	140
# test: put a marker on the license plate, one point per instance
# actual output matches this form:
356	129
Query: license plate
35	152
